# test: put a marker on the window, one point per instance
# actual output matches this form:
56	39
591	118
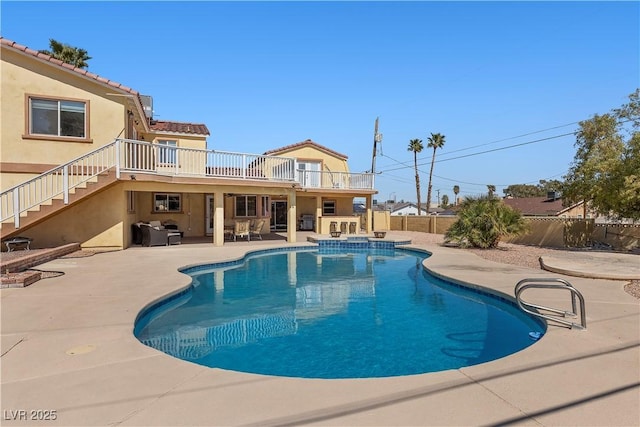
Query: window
329	207
245	206
167	202
131	201
62	118
167	151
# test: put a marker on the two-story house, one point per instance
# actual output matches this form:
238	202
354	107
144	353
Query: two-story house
82	159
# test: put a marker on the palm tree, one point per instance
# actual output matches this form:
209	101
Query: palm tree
492	189
416	146
456	190
436	141
66	53
445	201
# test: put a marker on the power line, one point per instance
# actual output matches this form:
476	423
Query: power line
513	137
497	185
490	151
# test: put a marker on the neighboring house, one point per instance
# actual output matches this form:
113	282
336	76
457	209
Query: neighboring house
551	205
82	159
410	208
405	208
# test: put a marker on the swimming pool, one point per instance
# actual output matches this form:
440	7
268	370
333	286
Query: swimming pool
331	313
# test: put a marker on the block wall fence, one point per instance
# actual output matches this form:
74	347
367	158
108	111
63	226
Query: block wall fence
548	231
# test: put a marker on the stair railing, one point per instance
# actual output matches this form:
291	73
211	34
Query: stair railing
539	310
55	182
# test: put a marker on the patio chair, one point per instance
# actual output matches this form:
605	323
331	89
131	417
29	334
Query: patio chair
256	229
136	233
241	229
153	236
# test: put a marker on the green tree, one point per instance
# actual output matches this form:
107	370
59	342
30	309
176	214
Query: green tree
523	190
548	186
491	189
66	53
529	190
483	221
436	141
605	172
445	202
456	190
416	146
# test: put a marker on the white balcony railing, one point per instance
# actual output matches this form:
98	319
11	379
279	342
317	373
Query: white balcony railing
335	180
139	156
131	156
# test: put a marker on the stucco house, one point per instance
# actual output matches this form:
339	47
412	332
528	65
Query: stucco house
82	159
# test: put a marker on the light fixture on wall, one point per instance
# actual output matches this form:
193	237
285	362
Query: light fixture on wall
133	177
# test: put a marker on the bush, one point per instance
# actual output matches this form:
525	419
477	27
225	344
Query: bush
483	221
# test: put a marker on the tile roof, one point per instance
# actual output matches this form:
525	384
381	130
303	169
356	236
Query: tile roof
535	205
158	126
44	57
306	143
178	127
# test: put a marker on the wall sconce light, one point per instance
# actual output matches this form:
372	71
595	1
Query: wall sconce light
133	177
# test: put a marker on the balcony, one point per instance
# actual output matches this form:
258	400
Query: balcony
140	156
334	180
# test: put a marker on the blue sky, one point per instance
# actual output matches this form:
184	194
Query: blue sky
262	75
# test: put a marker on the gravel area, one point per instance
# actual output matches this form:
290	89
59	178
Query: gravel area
508	253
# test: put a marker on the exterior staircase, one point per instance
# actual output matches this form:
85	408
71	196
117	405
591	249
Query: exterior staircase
45	210
31	202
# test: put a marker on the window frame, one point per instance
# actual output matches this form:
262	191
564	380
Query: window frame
246	206
325	211
29	116
155	207
266	204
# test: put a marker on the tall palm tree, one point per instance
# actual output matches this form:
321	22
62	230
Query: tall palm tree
416	146
66	53
436	141
456	190
491	189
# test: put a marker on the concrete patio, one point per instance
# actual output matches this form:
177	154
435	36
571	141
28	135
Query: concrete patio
68	347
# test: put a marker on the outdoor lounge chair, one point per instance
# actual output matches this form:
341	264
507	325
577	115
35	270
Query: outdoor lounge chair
256	229
136	233
154	236
241	229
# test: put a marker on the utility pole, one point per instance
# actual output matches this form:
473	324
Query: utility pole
377	138
438	190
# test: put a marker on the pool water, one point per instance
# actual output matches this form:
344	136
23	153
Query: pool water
329	313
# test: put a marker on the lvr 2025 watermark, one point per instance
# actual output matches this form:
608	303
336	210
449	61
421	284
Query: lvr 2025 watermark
29	414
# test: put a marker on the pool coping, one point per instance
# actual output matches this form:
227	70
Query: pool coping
567	378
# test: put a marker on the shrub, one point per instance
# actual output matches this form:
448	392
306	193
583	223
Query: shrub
483	221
